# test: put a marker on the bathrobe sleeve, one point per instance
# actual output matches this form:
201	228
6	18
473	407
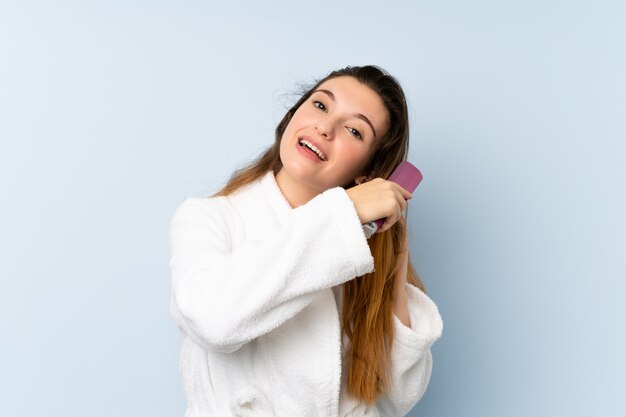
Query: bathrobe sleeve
411	358
224	298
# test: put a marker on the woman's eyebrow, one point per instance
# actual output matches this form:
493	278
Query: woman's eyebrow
359	115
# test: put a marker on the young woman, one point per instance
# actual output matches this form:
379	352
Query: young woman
285	307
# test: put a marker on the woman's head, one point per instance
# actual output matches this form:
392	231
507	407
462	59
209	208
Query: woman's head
391	142
357	117
331	136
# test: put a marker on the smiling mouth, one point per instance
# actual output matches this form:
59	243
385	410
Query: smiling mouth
308	145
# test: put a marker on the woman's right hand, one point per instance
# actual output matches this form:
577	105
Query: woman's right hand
377	199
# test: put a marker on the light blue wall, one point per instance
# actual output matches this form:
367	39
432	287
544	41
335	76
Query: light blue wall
111	114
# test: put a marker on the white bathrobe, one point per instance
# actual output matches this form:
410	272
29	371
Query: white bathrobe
256	293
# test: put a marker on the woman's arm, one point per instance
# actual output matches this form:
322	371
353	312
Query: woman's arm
417	325
401	307
224	298
400	301
411	357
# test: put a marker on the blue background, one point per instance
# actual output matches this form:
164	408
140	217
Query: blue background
112	113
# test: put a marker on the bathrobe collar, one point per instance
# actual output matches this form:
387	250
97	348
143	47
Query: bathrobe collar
277	199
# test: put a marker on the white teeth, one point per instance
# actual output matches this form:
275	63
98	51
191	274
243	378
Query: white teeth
314	149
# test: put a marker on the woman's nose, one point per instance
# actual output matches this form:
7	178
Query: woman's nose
324	128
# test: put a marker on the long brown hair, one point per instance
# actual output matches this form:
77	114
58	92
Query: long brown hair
368	299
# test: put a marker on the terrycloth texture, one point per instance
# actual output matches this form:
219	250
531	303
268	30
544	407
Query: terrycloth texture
256	291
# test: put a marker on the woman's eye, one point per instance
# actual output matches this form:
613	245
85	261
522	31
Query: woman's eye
355	133
319	105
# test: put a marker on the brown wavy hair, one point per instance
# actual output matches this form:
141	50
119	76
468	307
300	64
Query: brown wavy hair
368	299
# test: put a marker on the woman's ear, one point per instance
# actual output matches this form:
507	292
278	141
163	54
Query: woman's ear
361	179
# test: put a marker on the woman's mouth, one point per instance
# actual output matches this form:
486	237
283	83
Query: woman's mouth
311	150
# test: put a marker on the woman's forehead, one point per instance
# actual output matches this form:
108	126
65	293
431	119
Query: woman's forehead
348	87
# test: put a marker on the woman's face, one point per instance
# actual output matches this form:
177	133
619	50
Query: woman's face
344	120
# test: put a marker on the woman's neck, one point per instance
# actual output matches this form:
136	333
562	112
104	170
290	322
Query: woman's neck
296	193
